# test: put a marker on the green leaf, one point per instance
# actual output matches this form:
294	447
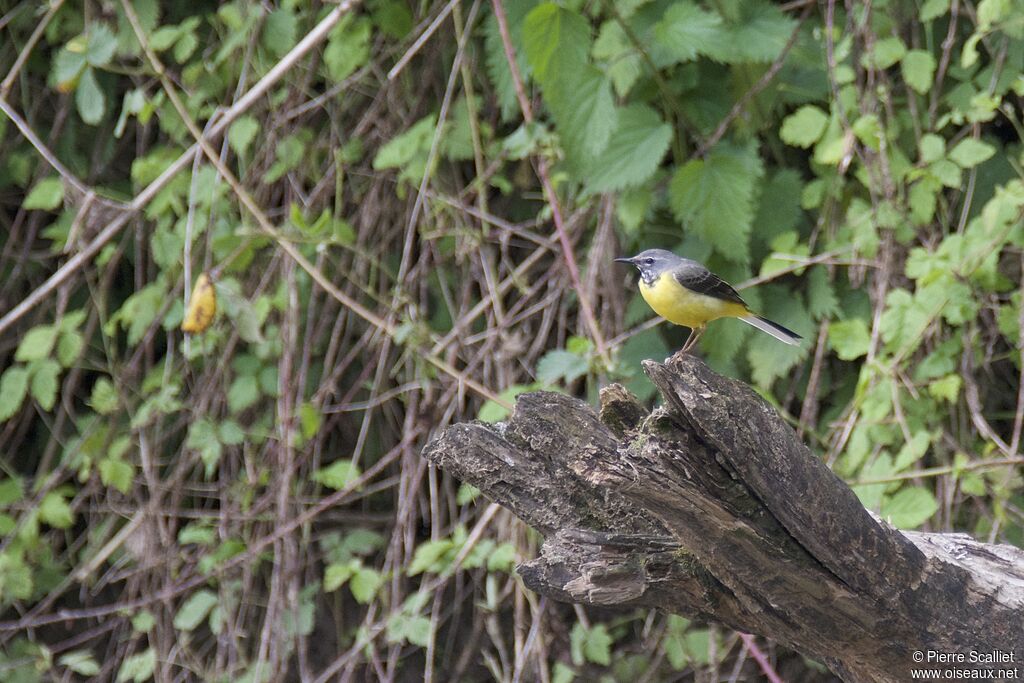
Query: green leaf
338	474
45	374
194	610
89	98
243	393
562	673
364	584
970	152
560	365
117	473
918	69
337	574
804	127
583	107
686	31
69	347
279	31
408	150
933	147
849	338
242	132
104	397
47	194
759	36
590	645
492	411
13	387
634	151
910	507
348	47
101	46
885	53
137	668
502	559
946	388
68	65
716	198
933	9
555	40
620	59
431	556
81	662
55	511
143	621
37	343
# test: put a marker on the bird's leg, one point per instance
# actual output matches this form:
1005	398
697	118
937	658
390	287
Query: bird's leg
695	333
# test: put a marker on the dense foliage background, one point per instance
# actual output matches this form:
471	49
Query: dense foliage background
411	222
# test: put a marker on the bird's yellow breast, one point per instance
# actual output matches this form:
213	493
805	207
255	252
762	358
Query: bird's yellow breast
679	305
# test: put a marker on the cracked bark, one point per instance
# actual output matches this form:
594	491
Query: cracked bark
710	507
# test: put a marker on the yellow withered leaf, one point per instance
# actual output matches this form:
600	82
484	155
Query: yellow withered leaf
201	307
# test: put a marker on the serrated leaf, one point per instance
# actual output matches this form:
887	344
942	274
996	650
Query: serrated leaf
970	152
918	67
634	152
37	343
104	397
885	52
492	411
502	559
44	382
89	98
338	474
364	584
821	297
117	473
194	610
47	195
242	132
715	198
137	668
556	40
804	127
243	393
432	556
759	36
560	365
55	511
337	574
583	107
910	507
280	29
686	31
81	662
69	347
13	387
850	339
348	47
101	46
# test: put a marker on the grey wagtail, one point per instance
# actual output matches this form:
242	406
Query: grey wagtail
686	293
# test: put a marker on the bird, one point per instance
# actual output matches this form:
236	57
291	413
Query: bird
686	293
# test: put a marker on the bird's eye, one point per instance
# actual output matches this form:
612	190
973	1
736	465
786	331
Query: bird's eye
648	262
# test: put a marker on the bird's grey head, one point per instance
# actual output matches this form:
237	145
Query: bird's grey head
652	263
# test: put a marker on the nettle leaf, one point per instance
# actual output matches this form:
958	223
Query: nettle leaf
89	98
560	365
622	61
970	152
760	36
497	62
13	387
338	474
686	31
850	339
583	107
884	53
634	152
242	132
45	374
279	31
555	40
348	47
910	507
804	127
715	197
408	150
37	343
918	67
194	610
47	195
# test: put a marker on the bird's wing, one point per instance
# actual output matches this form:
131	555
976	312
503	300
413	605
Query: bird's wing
697	278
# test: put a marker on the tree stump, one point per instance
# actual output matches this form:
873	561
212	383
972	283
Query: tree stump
711	507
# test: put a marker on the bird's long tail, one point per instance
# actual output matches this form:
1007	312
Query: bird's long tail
774	329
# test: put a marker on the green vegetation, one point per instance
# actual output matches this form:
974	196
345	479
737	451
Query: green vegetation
387	223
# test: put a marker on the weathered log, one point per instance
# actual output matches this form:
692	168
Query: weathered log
711	507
